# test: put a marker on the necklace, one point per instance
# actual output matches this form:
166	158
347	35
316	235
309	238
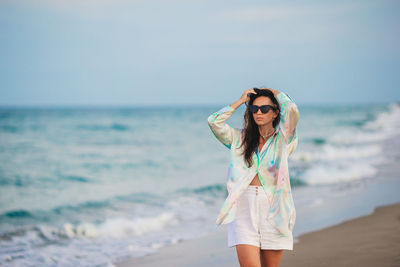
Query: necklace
265	136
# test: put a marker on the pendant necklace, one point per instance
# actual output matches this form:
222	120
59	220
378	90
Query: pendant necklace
265	136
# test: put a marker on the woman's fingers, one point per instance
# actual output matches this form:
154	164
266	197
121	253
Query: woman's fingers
250	91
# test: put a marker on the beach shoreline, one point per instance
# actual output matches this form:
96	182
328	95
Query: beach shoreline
320	229
373	239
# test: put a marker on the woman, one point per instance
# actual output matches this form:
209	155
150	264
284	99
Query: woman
259	207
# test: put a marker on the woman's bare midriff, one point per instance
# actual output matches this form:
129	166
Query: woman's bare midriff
256	180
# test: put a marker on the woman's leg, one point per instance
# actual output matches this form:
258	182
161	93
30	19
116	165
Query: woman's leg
248	255
271	257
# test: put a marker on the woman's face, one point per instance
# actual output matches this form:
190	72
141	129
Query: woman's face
261	118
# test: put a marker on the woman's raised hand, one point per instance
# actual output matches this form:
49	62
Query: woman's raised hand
246	95
244	98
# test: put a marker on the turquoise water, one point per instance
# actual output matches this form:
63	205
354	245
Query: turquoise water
90	186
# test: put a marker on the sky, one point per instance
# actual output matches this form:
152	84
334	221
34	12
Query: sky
197	52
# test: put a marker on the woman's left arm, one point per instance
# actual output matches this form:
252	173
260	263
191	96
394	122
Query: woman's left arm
289	116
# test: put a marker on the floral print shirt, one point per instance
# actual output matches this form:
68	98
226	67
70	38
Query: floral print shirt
271	164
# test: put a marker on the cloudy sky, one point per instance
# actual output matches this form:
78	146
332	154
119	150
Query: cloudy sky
117	52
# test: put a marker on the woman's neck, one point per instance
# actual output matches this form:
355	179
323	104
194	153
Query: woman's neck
265	130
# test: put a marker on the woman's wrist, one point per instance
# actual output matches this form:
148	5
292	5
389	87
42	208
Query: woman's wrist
237	104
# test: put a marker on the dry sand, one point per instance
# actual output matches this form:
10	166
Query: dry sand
372	240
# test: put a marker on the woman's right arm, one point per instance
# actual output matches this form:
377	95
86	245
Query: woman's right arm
222	130
217	121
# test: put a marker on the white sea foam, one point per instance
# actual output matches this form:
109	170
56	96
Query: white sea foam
321	174
121	227
385	126
332	152
352	155
388	122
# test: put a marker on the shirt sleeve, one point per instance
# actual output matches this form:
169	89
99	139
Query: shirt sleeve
289	117
222	131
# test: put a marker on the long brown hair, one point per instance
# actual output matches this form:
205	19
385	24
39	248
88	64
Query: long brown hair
251	135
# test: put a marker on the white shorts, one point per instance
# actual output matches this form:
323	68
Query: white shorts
251	225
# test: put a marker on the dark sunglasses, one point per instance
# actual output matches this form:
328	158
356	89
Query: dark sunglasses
264	109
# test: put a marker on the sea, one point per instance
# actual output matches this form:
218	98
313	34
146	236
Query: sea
91	186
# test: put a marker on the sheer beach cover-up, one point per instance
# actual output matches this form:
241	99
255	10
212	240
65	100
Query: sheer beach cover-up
271	165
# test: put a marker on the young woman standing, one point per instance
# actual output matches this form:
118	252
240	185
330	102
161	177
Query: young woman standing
259	208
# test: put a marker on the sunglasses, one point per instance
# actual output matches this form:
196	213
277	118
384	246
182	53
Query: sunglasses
264	109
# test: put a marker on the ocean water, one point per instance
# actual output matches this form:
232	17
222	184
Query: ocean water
92	186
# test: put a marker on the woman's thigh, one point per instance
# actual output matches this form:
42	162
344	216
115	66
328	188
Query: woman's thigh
271	257
248	255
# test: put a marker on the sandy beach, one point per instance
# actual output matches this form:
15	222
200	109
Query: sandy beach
372	240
